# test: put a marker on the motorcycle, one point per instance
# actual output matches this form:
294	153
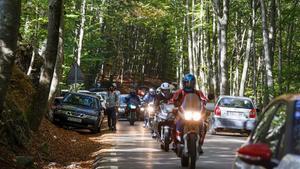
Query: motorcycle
149	114
132	113
188	141
166	121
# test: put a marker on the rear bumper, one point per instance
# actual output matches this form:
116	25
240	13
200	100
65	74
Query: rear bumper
236	124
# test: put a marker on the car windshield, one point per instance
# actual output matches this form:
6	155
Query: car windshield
235	103
296	128
123	99
81	100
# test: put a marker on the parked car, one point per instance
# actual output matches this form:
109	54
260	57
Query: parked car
122	106
81	111
234	114
275	140
101	97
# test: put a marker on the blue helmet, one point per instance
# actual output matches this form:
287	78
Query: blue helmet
189	82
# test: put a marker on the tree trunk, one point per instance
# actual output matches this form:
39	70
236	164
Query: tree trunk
224	88
279	49
81	31
272	30
215	57
41	99
254	50
59	61
9	27
246	63
189	39
267	60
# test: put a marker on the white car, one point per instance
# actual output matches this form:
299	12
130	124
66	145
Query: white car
233	113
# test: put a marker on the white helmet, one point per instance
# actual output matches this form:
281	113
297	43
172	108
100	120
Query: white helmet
165	86
165	89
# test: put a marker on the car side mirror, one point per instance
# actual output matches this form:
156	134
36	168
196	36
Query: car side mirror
256	154
210	107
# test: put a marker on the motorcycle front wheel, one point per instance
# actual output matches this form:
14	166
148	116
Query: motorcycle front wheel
192	148
166	142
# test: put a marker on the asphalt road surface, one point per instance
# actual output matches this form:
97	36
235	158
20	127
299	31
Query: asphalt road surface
133	148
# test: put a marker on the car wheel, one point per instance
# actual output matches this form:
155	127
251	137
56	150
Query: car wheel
97	128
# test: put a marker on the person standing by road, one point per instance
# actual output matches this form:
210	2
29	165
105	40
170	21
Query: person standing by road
112	103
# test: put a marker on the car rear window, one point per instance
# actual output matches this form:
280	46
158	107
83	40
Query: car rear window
296	128
235	103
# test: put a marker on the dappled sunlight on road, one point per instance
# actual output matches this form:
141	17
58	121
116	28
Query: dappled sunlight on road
132	147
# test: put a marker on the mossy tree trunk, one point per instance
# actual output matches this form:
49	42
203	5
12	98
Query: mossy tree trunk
9	27
41	99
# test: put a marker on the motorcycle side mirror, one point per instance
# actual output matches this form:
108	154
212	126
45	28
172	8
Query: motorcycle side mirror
210	107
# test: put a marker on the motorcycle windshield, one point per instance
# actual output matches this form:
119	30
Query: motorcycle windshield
192	102
167	107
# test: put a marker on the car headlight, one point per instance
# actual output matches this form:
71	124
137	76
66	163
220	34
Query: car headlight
91	117
188	115
142	109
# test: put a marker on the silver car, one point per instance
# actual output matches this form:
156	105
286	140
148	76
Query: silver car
275	141
233	113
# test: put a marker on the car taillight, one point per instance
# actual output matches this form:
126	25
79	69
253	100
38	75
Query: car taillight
217	111
252	113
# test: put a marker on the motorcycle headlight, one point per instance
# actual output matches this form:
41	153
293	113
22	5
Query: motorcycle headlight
150	109
142	108
196	116
188	115
132	106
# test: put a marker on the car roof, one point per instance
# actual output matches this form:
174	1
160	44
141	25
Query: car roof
238	97
84	94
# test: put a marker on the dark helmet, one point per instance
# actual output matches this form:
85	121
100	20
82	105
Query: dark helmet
132	92
189	82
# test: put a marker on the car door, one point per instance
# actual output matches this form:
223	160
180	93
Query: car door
270	130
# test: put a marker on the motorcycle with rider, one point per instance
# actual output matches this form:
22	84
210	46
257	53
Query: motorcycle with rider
133	103
164	118
191	122
149	110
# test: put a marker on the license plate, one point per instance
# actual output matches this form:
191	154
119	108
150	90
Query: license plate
74	119
236	114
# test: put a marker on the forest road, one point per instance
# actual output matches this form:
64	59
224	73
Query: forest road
133	148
